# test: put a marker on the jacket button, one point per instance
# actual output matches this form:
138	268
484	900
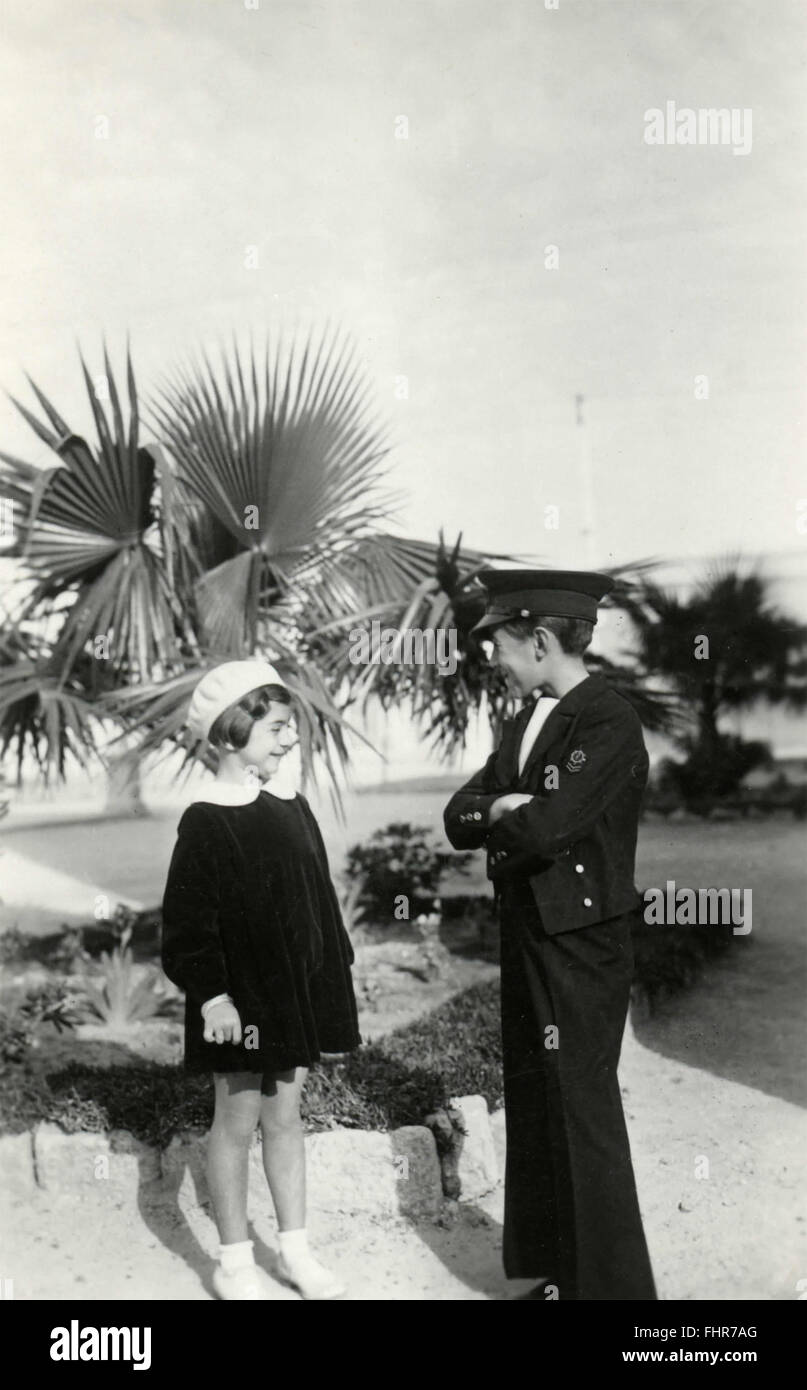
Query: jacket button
477	815
578	868
587	902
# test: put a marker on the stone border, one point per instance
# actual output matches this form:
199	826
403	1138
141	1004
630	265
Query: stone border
394	1173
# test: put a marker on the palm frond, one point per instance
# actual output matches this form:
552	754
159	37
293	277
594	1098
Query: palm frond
275	464
40	716
84	530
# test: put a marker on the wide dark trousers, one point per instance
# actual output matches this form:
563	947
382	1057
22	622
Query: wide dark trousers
571	1212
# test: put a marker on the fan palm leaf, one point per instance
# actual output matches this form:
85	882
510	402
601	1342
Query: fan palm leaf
87	530
42	715
283	454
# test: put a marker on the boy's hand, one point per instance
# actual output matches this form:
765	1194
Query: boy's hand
222	1024
510	802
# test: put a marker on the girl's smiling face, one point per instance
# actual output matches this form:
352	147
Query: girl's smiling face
270	740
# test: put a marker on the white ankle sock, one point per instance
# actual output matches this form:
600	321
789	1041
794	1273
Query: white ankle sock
293	1243
236	1256
304	1269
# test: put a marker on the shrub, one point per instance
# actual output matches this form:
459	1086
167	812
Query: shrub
122	999
71	947
668	959
15	1039
12	946
712	770
53	1003
399	859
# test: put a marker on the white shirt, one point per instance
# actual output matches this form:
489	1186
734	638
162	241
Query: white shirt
543	708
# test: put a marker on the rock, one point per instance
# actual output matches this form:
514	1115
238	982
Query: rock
477	1166
445	1137
394	1174
97	1163
417	1170
17	1164
71	1162
383	1174
499	1133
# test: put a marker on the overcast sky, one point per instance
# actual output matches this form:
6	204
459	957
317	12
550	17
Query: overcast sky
275	127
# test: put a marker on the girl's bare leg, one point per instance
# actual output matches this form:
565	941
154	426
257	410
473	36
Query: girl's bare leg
284	1147
238	1105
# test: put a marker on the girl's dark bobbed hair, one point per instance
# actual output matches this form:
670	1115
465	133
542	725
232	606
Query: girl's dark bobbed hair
233	726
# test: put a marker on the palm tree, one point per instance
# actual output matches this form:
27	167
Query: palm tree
450	596
723	648
91	578
253	522
257	523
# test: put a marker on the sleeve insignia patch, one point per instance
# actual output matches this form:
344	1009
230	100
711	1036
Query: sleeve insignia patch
576	761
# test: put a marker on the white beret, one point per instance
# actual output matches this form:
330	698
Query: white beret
222	687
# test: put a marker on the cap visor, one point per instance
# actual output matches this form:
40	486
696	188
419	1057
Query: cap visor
490	620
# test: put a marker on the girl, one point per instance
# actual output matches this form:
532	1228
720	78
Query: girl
253	934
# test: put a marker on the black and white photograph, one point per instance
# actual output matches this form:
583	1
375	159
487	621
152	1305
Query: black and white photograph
403	663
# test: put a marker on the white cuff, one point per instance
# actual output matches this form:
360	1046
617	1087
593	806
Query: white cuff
217	999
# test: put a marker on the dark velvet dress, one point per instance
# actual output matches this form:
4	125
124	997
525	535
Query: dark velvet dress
250	911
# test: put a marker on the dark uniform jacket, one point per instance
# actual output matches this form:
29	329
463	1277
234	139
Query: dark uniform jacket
576	841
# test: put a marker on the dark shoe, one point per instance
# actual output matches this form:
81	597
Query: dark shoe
533	1295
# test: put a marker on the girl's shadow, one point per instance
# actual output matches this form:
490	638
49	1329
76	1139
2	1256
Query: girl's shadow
175	1206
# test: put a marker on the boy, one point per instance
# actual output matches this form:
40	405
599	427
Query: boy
557	808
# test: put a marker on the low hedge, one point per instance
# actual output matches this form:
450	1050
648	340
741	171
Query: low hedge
397	1081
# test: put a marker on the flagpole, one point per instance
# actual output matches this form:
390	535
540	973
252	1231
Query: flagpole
586	466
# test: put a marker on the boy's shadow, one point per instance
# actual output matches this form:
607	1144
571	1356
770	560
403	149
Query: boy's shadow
469	1248
466	1240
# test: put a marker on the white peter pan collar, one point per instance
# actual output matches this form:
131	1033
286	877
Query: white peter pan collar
241	794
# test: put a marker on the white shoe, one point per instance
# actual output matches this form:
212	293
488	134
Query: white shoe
311	1279
247	1282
